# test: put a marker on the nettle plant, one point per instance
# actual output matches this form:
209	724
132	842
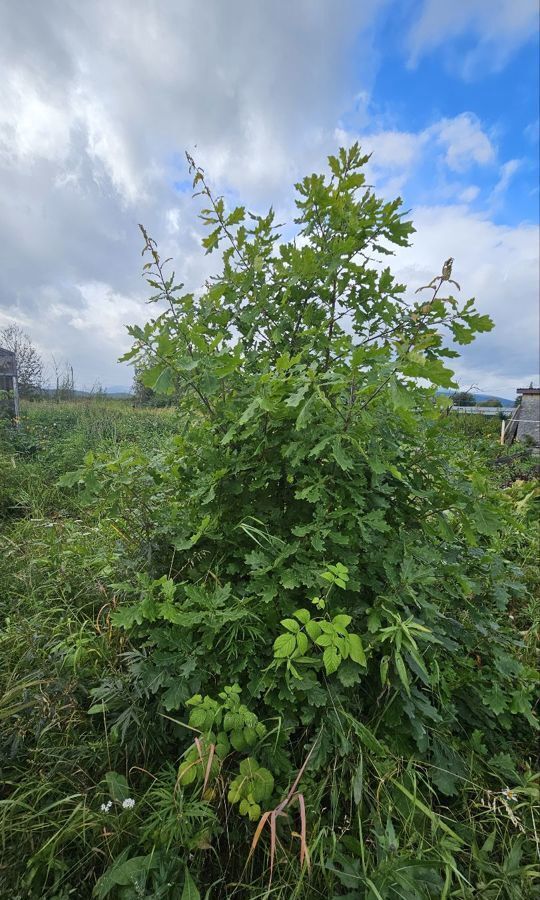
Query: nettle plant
325	550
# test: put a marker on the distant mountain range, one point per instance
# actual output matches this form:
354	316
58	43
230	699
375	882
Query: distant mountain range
480	398
113	390
121	390
117	389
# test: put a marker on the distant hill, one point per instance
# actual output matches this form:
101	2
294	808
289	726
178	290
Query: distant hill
480	398
116	390
120	391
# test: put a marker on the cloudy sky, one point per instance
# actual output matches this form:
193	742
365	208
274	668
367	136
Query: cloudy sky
99	100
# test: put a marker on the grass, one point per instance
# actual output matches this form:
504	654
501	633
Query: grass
55	560
62	567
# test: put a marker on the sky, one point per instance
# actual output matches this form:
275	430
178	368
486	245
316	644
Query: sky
99	101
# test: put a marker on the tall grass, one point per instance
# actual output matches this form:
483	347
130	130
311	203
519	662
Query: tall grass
63	570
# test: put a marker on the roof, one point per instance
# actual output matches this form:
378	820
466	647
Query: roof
529	390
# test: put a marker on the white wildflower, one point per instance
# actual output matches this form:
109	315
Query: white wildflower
128	803
105	807
509	794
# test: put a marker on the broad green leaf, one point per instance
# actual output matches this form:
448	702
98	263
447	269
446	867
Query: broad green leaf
313	629
303	416
343	459
249	766
284	646
290	625
296	398
331	659
118	786
164	383
70	479
325	640
250	411
303	615
486	519
124	872
356	650
263	784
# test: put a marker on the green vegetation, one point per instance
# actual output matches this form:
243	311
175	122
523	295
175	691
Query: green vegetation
463	398
278	640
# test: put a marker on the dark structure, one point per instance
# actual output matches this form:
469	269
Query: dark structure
9	392
525	422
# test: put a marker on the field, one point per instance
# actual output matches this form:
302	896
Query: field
66	556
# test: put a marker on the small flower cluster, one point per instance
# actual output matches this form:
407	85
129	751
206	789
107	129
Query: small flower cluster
128	803
497	801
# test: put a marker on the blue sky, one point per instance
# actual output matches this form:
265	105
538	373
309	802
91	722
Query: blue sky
98	103
411	95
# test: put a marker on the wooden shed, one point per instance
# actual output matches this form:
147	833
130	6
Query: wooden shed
524	424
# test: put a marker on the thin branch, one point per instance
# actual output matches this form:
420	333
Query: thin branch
200	176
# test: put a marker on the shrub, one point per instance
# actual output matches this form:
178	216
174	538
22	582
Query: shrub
314	605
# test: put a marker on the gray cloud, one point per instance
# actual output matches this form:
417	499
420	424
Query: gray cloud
98	102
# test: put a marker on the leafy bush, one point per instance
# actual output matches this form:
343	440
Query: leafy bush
309	646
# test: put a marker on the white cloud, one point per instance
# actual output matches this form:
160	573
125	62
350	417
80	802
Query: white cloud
31	126
532	131
456	145
469	194
506	173
103	312
395	149
498	26
106	145
395	155
98	102
496	264
174	218
465	142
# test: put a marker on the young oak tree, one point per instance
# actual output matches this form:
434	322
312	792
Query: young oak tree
312	537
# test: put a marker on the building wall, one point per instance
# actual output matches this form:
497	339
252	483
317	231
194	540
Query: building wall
529	418
9	404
